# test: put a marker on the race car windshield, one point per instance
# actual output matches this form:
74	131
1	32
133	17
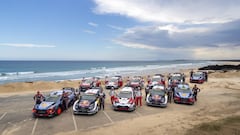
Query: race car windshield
113	80
135	81
88	97
51	99
157	92
125	95
176	78
88	81
156	79
197	75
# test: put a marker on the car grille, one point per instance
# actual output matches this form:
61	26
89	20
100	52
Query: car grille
41	111
184	99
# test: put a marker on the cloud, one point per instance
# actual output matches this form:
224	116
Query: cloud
93	24
226	52
27	45
116	27
136	45
89	32
173	11
181	36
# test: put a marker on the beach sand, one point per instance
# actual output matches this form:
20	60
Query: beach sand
219	98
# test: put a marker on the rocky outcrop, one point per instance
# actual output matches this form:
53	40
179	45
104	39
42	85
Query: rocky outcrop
221	67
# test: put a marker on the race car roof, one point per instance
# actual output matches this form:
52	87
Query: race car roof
92	91
127	89
156	76
59	92
160	87
115	77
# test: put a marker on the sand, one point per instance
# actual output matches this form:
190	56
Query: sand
219	98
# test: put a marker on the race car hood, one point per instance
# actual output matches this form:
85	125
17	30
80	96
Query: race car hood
154	83
44	105
123	100
85	103
184	94
134	83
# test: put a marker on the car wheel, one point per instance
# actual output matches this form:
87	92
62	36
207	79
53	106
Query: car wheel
34	116
59	111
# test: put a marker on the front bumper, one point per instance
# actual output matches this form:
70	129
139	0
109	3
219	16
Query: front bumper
84	110
157	104
124	107
196	81
43	113
183	100
110	86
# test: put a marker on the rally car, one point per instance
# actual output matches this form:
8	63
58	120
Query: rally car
136	82
125	100
175	78
198	77
53	104
183	94
114	82
86	84
157	96
88	103
155	80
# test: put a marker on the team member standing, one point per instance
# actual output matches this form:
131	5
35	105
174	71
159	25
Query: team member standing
65	99
195	91
102	99
138	97
112	94
38	98
170	94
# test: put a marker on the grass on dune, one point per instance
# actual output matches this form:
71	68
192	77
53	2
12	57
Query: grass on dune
227	126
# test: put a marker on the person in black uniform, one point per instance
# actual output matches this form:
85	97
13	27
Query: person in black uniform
102	99
38	98
195	91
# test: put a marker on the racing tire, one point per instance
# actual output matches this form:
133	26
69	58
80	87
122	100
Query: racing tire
192	103
58	111
34	116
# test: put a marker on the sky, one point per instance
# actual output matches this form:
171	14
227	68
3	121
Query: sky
119	29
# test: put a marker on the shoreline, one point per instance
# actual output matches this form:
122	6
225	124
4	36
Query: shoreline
29	87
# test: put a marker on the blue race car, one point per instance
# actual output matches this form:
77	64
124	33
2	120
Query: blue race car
53	104
183	94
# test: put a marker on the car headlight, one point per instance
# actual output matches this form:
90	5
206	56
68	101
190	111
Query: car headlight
177	94
163	99
91	106
149	98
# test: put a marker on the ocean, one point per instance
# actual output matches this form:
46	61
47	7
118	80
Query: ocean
28	71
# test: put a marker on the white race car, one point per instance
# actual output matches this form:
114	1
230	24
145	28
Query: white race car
125	100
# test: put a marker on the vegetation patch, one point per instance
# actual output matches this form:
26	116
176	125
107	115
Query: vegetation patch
227	126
